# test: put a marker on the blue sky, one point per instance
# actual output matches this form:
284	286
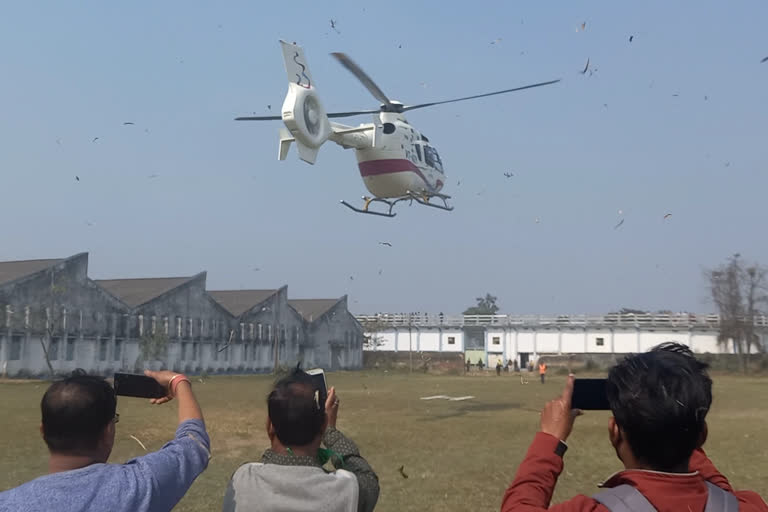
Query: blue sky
222	202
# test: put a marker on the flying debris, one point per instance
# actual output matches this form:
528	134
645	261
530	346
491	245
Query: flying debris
764	60
631	38
127	123
351	278
537	220
385	243
333	26
496	41
621	212
269	107
380	271
95	139
586	67
667	215
153	176
401	470
509	174
727	164
617	226
77	178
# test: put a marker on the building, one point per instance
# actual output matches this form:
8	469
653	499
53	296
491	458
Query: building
54	318
490	338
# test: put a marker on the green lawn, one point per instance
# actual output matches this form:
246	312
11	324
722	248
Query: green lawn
458	455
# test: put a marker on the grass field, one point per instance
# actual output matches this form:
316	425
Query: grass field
458	455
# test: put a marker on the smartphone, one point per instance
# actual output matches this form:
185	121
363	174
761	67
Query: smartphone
318	381
590	395
139	386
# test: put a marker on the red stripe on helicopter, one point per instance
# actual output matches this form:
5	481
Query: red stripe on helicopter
389	166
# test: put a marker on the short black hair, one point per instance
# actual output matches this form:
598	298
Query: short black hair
660	399
75	412
295	409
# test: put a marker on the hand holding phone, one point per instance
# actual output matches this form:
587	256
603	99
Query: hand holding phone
318	382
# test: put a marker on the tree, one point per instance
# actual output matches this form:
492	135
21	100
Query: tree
738	290
372	328
51	318
152	347
485	306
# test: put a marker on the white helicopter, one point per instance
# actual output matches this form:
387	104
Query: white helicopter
397	162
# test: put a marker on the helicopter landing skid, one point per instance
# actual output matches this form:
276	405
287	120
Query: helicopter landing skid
367	201
424	200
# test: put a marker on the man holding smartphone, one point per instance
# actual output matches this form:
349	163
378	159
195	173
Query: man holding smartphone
290	475
78	424
659	400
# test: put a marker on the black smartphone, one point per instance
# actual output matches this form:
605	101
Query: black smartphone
590	395
318	381
139	386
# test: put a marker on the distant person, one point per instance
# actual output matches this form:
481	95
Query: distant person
290	475
469	365
516	366
659	400
498	367
480	364
506	367
543	371
79	425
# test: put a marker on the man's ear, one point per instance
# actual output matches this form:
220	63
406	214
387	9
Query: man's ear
614	433
270	430
703	436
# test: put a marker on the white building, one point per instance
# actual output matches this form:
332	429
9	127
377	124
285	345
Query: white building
524	338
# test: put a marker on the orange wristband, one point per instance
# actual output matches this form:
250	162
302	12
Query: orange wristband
174	382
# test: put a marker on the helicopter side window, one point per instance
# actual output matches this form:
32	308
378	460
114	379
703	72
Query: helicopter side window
418	151
432	158
388	128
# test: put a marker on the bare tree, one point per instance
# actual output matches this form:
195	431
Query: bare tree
739	290
50	321
372	328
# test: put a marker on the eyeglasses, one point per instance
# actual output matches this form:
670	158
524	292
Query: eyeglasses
116	418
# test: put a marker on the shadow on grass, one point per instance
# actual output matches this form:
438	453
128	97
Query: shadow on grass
476	407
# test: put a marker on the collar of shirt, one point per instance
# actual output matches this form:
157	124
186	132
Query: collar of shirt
272	457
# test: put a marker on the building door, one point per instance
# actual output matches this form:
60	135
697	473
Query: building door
524	356
335	358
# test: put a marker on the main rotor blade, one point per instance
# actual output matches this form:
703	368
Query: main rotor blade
422	105
356	70
330	115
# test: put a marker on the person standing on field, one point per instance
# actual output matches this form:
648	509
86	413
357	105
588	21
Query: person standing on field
542	371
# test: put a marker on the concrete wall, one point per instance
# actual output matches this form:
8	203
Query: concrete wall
337	340
518	343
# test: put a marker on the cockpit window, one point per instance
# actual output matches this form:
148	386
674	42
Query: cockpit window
418	151
432	158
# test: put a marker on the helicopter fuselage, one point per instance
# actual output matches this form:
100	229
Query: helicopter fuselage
395	159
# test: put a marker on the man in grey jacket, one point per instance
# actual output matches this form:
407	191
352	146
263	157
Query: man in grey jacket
290	475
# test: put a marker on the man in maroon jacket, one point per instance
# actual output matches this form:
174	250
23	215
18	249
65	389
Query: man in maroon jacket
659	401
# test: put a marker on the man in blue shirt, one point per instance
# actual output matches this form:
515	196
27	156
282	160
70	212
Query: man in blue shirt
78	425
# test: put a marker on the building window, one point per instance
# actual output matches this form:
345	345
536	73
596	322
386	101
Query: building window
118	350
103	350
260	329
216	352
250	331
496	340
70	348
191	332
15	348
269	332
296	334
53	349
600	342
451	340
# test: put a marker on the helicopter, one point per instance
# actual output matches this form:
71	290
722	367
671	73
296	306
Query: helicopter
397	162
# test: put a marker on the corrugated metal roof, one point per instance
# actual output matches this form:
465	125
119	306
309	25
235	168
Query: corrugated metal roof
12	270
136	292
312	309
238	302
